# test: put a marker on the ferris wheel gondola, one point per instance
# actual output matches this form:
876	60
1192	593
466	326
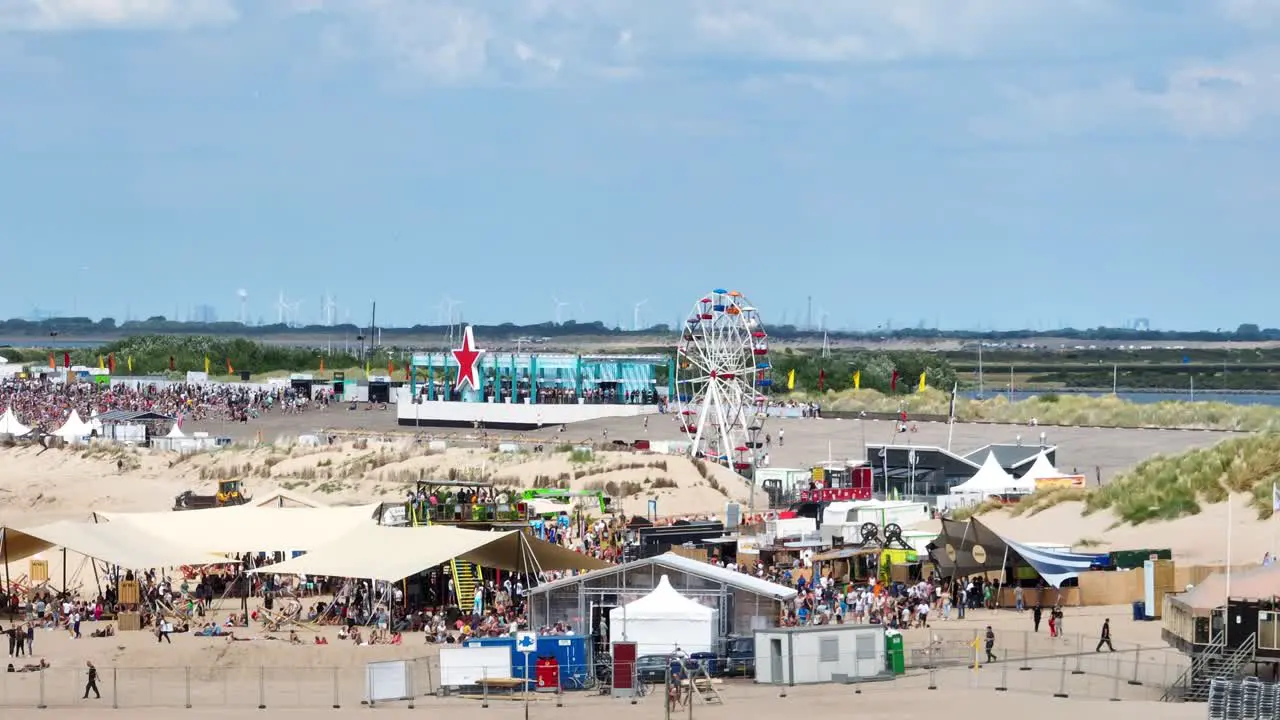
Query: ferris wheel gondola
722	377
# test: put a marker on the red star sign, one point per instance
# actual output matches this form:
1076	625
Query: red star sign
467	357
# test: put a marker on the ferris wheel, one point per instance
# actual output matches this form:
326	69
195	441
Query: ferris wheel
722	371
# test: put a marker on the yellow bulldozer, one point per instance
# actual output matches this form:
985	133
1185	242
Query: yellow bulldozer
230	492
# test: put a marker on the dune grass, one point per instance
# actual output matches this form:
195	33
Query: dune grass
1167	487
1053	409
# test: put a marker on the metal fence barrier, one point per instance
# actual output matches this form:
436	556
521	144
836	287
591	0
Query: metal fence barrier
1063	668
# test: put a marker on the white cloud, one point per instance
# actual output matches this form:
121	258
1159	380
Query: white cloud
456	41
69	15
1257	14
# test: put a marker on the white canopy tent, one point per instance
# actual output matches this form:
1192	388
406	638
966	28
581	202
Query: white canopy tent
73	429
175	432
115	543
662	621
9	424
381	552
249	528
991	479
1041	469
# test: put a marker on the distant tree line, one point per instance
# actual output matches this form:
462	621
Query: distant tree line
106	328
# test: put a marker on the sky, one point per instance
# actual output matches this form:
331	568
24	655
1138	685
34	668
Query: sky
960	163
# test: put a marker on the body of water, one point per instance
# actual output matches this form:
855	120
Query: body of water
1141	396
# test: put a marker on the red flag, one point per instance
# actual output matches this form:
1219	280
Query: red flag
893	382
172	366
52	364
391	368
66	359
407	375
822	378
111	363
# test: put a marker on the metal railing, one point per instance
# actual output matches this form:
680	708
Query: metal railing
1217	645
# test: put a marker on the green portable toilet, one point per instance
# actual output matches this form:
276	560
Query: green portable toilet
895	652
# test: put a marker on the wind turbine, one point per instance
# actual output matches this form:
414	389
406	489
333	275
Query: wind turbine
293	313
635	320
450	304
244	305
559	306
282	310
330	310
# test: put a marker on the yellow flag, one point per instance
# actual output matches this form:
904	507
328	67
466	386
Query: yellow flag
366	369
791	380
206	364
130	363
857	379
922	383
102	363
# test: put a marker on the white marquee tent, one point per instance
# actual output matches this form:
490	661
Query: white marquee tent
115	543
991	479
9	424
249	528
73	429
1041	469
381	552
663	620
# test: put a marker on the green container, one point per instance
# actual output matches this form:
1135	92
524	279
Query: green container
896	653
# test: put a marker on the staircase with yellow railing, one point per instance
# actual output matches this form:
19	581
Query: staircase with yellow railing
464	574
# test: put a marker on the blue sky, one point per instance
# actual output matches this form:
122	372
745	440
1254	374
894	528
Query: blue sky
975	163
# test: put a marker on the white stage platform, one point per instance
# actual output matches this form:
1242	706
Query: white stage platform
507	416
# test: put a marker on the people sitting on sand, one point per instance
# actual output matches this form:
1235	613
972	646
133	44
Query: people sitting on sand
293	638
29	667
106	631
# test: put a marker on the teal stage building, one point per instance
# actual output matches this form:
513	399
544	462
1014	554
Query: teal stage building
546	379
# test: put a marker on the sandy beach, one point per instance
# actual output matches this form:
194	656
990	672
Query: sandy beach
215	675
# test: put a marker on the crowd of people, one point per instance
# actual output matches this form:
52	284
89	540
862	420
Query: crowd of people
45	405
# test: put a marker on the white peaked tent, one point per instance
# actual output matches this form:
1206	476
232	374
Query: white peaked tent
175	432
73	429
9	424
991	479
1041	469
663	620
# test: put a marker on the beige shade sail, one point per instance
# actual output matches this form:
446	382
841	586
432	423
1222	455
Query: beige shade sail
118	544
1253	584
248	528
379	552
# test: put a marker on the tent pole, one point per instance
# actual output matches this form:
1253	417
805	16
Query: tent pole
64	570
4	549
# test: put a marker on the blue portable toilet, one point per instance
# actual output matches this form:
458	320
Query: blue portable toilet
570	652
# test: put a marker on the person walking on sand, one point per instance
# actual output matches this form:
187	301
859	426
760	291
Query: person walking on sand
1036	612
991	645
1105	637
92	684
162	630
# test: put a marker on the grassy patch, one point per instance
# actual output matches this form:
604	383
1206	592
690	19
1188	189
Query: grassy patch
1064	409
986	506
1168	487
1045	498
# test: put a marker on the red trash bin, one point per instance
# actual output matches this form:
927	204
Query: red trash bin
547	671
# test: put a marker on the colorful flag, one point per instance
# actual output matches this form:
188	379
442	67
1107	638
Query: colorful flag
102	363
922	383
178	421
391	368
366	369
230	370
206	364
408	374
857	379
172	364
822	378
791	380
321	364
52	364
130	361
66	359
111	363
893	382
